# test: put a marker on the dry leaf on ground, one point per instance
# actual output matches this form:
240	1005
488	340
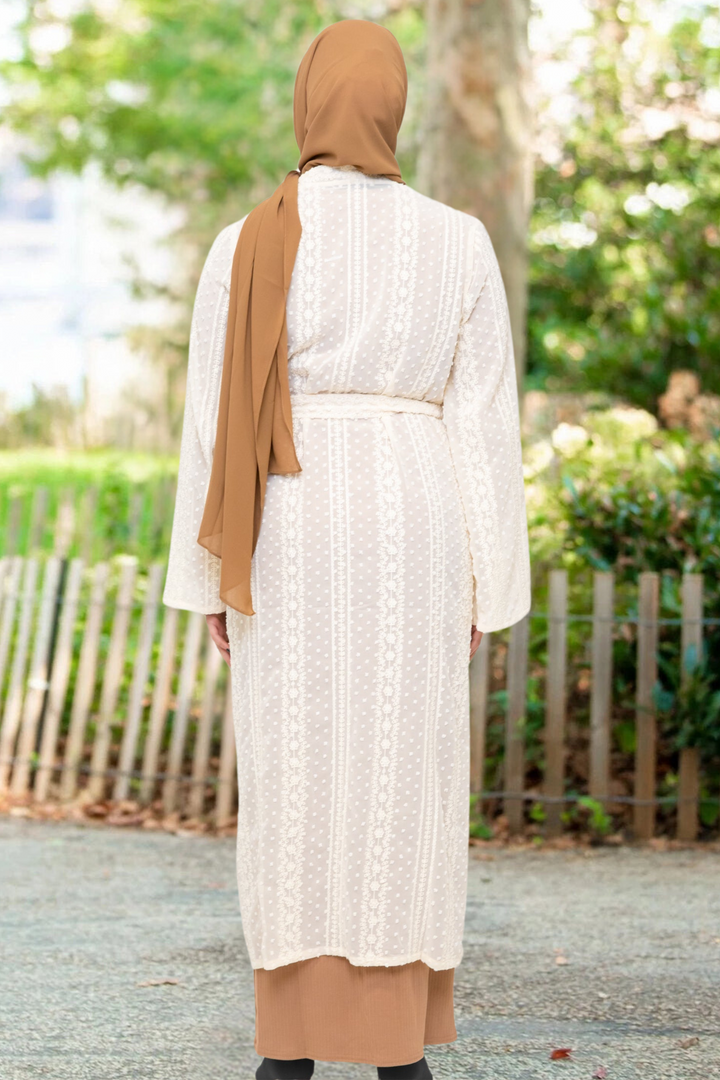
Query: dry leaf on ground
160	982
125	819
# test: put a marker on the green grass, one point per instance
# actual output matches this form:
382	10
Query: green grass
122	503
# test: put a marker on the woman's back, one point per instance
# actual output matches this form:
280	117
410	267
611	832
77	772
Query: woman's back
392	294
375	301
367	420
405	525
378	289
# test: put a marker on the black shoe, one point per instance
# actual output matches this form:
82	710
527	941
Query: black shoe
419	1070
274	1069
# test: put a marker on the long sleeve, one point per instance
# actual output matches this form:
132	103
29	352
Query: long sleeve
193	578
481	415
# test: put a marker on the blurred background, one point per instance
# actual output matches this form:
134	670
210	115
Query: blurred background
586	135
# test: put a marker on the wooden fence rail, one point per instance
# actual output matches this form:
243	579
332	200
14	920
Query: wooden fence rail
104	693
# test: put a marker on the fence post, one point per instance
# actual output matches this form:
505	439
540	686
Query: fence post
193	637
88	516
160	702
12	527
227	772
64	524
689	771
162	509
479	677
38	514
137	498
514	771
9	596
38	681
85	683
554	780
203	737
140	677
13	701
601	690
58	680
646	729
112	677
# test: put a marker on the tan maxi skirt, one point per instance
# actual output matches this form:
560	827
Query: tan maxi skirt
328	1009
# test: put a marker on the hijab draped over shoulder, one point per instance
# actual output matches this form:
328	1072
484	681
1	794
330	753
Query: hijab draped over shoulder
350	95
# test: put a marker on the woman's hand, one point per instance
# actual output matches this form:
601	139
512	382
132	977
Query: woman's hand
475	639
217	625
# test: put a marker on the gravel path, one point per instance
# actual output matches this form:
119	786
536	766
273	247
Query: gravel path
615	953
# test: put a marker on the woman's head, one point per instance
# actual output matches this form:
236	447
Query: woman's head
350	96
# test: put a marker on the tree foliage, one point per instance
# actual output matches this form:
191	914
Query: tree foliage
189	98
625	278
194	99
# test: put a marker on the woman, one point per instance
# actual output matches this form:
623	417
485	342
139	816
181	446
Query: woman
351	339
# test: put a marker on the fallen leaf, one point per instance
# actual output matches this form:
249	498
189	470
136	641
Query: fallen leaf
171	822
160	982
125	819
685	1044
561	1054
600	1073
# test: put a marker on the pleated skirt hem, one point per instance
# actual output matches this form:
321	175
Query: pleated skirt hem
327	1009
354	1060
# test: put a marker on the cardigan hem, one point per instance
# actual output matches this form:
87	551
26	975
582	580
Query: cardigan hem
356	961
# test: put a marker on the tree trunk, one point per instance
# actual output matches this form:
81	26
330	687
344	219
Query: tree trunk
477	148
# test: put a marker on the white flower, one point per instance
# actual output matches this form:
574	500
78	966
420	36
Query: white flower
638	423
569	439
537	458
668	196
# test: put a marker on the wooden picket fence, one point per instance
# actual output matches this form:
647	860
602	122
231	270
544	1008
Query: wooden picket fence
644	800
54	629
107	693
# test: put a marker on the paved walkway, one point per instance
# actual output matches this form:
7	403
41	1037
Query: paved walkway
615	953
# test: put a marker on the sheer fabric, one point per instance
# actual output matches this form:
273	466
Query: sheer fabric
406	524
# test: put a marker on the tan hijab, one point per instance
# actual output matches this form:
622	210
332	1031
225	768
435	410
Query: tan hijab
350	94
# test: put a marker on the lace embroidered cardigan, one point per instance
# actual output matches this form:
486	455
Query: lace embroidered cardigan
406	525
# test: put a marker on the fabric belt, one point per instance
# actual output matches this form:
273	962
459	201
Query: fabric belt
359	406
